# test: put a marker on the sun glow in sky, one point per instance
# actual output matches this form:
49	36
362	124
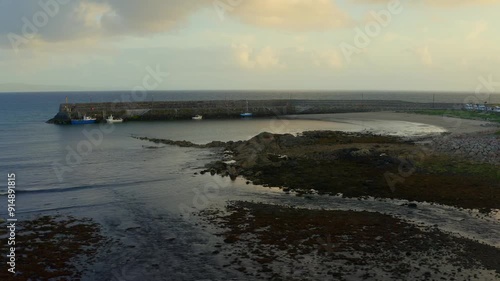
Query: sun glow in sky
443	45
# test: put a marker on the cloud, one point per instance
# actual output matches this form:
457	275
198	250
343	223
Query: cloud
61	20
330	58
296	15
265	58
456	3
34	23
151	16
435	3
425	55
48	20
480	27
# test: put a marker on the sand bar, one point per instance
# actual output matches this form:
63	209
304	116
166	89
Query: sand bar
452	125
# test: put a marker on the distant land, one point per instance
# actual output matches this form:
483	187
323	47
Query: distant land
28	88
19	87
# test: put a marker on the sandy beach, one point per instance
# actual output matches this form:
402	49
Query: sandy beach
452	125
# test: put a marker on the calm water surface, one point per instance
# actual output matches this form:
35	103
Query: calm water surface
145	198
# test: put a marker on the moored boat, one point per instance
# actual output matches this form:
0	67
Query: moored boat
111	119
83	121
197	117
247	113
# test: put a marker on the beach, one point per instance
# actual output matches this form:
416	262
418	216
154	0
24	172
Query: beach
276	240
451	125
280	140
154	194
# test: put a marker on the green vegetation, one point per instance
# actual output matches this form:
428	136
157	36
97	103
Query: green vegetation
446	165
464	114
359	165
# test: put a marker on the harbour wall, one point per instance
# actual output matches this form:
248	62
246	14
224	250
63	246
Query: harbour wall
178	110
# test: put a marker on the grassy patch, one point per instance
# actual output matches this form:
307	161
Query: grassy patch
366	165
464	114
434	179
446	165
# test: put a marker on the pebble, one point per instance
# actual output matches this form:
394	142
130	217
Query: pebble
480	148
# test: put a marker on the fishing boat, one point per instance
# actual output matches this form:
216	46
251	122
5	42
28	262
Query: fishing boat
84	120
197	117
247	113
111	119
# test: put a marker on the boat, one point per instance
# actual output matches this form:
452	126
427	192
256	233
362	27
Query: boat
197	117
84	120
111	119
247	113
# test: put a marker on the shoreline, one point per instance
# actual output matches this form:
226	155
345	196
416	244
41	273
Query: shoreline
450	124
359	165
342	244
353	229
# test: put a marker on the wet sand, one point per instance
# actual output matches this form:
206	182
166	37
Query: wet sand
156	242
270	242
452	125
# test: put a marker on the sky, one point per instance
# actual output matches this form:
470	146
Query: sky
420	45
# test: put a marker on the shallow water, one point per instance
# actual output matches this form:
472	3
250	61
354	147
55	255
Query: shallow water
145	197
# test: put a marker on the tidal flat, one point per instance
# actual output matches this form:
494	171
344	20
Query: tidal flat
358	165
272	242
286	242
51	248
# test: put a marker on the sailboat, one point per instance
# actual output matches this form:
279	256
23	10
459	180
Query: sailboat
247	113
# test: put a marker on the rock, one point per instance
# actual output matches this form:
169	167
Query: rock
361	153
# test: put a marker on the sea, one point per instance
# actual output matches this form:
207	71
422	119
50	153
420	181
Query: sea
146	197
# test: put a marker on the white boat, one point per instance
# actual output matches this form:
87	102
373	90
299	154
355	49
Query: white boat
197	117
111	119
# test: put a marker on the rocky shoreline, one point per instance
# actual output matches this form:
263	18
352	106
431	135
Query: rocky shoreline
273	242
364	164
269	242
52	248
481	147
